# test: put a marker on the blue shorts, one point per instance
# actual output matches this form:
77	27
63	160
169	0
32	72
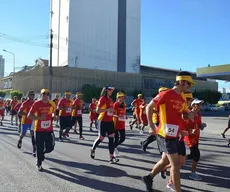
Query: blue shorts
25	127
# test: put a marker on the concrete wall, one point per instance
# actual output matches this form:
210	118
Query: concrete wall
74	78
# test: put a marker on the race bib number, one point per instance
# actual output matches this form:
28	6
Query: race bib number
121	118
110	113
45	124
68	110
79	112
171	130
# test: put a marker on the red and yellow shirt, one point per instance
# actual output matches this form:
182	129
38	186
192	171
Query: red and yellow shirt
105	103
137	103
13	103
92	109
193	139
171	105
56	101
79	105
25	107
39	108
2	105
66	103
119	116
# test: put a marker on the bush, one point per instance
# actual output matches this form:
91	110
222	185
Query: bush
89	92
209	96
17	93
2	93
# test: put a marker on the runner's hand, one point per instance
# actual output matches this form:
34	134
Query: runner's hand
184	133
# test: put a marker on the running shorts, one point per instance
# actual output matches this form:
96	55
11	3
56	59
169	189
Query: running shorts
169	146
105	128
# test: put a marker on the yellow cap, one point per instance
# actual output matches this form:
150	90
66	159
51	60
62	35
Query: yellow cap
45	91
185	78
162	89
79	94
120	94
68	93
139	95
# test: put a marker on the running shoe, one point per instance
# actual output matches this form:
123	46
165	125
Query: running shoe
170	186
67	134
223	135
195	177
148	181
163	174
16	124
1	124
131	127
39	167
143	146
92	153
19	144
113	160
12	123
116	152
34	151
81	138
141	132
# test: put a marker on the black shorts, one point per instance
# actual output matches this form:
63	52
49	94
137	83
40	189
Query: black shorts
134	116
182	149
105	128
169	146
13	112
229	123
65	122
57	113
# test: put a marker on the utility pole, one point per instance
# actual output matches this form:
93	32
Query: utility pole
50	64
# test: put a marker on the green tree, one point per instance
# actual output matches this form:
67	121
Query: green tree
209	96
2	93
17	93
89	92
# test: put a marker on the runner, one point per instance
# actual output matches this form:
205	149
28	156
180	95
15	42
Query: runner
226	129
13	113
42	112
25	122
16	109
119	118
77	108
143	117
2	110
192	141
136	104
65	109
171	106
56	101
93	114
184	132
105	122
155	120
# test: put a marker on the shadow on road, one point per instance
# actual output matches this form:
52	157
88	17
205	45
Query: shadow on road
101	170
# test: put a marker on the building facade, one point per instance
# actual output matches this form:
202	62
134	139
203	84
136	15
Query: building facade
66	78
2	66
102	34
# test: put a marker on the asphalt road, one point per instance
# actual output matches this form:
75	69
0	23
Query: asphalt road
70	169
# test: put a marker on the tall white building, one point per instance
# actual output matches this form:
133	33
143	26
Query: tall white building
2	66
96	34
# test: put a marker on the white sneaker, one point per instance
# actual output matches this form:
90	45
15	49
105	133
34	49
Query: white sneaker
116	152
141	132
195	177
170	186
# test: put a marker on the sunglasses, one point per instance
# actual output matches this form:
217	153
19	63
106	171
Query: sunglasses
31	94
46	93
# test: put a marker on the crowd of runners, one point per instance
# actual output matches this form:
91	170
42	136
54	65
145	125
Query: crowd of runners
172	116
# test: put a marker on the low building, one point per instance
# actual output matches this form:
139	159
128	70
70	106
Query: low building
66	78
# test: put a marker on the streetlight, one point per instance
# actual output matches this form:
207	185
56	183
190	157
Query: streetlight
13	59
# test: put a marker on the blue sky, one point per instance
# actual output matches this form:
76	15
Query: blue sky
175	34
